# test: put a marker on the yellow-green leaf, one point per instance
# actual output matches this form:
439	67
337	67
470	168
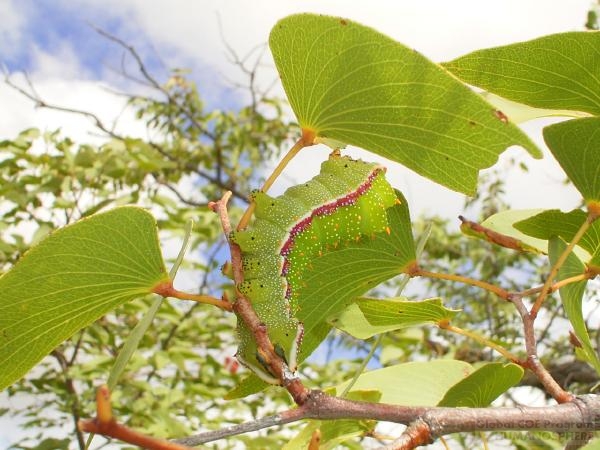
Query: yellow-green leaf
576	146
483	386
390	314
571	297
349	83
414	383
71	279
559	71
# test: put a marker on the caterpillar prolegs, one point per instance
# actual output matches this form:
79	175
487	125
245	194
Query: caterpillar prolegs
345	202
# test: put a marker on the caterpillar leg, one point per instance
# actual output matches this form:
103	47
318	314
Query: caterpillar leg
266	376
262	369
295	349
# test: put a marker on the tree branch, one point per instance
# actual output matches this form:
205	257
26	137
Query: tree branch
153	82
559	262
533	363
582	415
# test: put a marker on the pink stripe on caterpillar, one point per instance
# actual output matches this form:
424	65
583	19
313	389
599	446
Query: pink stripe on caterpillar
323	210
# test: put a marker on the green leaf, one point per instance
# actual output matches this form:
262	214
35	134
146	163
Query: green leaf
554	222
559	71
575	145
414	383
390	314
349	83
404	313
483	386
352	321
571	297
338	277
72	278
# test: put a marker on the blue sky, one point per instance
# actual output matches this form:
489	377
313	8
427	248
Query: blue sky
70	63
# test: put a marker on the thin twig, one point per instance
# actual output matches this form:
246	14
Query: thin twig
153	82
236	430
558	264
181	198
502	293
70	387
363	365
476	337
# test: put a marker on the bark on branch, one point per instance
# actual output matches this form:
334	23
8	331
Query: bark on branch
576	418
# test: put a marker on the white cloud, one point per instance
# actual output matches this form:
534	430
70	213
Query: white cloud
438	28
77	94
11	26
61	62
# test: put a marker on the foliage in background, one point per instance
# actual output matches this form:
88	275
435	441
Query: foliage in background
48	181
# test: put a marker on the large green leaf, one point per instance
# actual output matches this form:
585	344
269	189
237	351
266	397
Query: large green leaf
351	84
571	296
559	71
483	386
72	278
414	383
576	146
554	222
335	279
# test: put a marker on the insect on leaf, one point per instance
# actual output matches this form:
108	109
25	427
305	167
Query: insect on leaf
310	252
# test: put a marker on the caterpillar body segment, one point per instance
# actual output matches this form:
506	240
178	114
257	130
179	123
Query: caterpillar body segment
347	201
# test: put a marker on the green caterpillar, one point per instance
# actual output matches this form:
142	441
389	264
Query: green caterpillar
345	202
